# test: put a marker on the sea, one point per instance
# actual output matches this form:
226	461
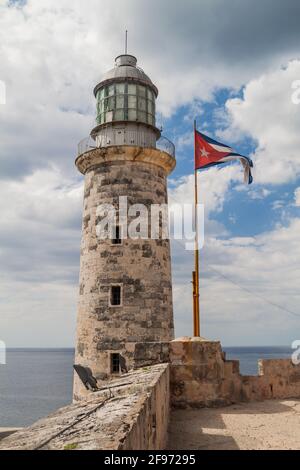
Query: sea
35	382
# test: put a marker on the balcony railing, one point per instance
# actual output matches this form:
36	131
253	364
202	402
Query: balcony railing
85	145
163	144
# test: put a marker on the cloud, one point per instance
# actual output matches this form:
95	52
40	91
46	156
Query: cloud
267	114
37	314
39	259
242	280
297	196
53	55
213	186
259	193
40	219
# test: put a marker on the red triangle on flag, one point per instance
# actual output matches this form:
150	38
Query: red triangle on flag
205	153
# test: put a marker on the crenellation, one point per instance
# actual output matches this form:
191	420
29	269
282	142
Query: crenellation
201	376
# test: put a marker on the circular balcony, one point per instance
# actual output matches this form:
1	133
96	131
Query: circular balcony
136	139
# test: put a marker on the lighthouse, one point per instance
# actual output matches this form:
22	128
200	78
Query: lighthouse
125	286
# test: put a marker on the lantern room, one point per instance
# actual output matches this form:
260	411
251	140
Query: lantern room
125	100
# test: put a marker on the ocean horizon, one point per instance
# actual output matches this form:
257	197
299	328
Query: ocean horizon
36	381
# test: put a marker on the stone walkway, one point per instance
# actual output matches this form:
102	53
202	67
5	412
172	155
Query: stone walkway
273	424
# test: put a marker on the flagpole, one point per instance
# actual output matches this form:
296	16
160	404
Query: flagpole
196	306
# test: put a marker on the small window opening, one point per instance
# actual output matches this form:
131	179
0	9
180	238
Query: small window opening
115	363
117	240
115	295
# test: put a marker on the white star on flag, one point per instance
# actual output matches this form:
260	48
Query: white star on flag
204	153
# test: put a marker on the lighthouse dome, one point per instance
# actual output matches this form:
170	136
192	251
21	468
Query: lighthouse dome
126	69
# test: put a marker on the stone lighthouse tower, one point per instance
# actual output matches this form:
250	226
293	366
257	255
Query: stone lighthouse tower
125	295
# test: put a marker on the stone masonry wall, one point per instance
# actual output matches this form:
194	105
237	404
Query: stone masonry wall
135	417
138	355
142	267
201	376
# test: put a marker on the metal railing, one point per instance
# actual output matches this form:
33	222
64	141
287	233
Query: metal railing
163	144
85	145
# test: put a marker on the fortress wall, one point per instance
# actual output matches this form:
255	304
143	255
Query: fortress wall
201	376
134	414
135	417
150	426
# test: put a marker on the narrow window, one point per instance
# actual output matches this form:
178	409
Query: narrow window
117	240
115	295
115	363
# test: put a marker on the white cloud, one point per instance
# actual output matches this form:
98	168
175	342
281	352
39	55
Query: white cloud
279	204
259	193
39	314
52	54
45	196
213	185
40	218
267	114
297	196
265	267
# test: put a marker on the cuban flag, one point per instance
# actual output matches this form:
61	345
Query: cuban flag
209	152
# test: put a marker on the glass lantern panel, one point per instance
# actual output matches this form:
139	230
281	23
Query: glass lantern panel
108	116
131	89
119	115
131	101
111	90
111	103
142	116
120	101
120	88
142	104
101	106
150	94
132	115
101	93
142	91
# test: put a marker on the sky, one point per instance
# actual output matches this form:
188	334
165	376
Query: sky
231	64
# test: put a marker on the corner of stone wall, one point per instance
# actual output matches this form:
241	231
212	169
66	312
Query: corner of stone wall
197	372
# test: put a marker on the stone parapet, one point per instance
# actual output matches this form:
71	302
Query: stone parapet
132	415
125	153
201	376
